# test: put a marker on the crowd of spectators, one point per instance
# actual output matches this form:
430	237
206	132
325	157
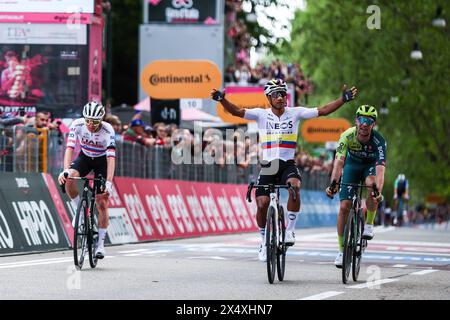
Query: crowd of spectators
239	70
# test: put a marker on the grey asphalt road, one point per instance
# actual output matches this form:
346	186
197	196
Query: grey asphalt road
400	263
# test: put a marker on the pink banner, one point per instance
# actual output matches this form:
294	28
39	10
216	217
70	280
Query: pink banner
95	62
162	209
256	89
24	17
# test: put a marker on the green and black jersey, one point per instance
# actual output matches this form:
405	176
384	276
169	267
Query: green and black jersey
372	151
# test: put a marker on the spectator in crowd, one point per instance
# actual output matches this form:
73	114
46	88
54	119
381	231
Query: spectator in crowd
162	138
136	133
115	122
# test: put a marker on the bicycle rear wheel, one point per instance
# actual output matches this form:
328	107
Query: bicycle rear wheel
358	248
281	252
271	244
348	247
92	238
80	234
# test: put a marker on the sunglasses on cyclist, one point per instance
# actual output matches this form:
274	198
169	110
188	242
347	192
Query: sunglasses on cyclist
92	121
365	120
277	94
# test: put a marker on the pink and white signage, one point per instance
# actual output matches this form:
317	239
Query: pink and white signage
68	6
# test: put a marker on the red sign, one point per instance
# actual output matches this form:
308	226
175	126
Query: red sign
162	209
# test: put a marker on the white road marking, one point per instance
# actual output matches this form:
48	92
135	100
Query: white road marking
323	295
132	255
422	272
34	263
371	284
400	265
156	251
133	251
208	257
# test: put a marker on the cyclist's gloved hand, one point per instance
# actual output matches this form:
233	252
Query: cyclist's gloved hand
378	197
331	189
62	178
348	95
108	187
217	95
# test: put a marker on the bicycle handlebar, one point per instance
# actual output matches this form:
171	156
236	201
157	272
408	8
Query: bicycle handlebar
269	186
100	178
373	187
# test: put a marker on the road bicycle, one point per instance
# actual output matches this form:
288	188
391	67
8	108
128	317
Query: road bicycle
275	229
354	242
86	222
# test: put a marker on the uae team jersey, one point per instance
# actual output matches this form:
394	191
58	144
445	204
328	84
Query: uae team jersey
278	135
93	144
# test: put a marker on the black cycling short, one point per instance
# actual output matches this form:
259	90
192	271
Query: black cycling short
286	170
84	165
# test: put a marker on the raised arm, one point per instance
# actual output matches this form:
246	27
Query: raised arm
330	107
231	108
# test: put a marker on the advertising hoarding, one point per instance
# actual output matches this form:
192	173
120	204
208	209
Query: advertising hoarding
82	6
181	11
43	66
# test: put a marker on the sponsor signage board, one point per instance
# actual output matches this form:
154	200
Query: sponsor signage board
324	130
181	11
175	79
164	209
46	6
28	215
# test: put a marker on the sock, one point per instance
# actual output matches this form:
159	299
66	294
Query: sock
370	218
292	219
101	236
341	243
262	231
75	201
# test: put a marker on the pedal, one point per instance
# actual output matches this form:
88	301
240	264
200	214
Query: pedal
289	244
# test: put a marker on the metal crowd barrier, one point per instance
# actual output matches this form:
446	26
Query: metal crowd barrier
24	149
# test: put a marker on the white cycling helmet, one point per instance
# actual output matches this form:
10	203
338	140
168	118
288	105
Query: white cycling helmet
93	110
275	85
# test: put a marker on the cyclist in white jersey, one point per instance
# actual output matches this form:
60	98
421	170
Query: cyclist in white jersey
278	129
97	154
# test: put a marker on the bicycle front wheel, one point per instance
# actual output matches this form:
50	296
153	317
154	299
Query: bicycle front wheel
92	238
358	248
271	244
281	252
348	247
80	234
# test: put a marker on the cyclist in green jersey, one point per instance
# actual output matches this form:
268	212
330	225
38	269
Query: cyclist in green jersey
360	156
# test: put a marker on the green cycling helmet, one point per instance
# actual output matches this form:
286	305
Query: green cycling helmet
368	111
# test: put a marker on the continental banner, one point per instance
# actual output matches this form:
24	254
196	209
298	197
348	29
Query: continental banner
29	221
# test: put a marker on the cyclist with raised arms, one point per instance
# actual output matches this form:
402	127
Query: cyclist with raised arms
360	156
97	143
278	129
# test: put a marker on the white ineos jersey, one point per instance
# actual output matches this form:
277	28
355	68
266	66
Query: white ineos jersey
278	135
93	144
